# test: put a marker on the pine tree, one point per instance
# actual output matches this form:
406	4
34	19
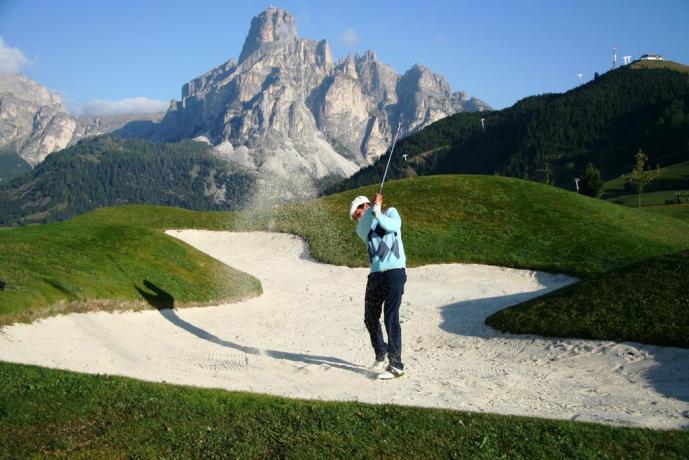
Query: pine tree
591	183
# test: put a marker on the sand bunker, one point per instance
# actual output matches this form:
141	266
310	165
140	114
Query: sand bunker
305	338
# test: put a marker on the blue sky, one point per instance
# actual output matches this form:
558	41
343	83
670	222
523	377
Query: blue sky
499	51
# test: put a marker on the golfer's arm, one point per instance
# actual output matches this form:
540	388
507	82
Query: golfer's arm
364	225
391	222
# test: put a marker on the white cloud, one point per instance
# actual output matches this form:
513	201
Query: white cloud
11	59
131	106
349	37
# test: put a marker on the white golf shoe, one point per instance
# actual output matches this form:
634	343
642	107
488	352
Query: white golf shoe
391	373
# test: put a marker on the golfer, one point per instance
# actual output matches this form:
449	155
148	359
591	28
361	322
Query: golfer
381	232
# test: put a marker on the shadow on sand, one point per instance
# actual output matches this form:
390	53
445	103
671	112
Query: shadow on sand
164	302
670	375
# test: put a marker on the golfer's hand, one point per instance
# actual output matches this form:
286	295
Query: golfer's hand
377	205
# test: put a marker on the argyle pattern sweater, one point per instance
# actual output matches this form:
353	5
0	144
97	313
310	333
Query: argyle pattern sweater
383	238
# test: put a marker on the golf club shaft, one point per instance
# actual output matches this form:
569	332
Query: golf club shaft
392	150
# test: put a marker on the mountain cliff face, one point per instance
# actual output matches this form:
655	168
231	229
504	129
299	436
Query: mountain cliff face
286	107
35	123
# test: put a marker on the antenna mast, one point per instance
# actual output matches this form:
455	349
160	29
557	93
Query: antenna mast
614	56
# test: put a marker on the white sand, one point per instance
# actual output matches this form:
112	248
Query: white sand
305	338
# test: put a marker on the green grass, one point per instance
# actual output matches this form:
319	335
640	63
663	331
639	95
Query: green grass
80	266
646	302
680	211
159	218
46	412
659	198
492	220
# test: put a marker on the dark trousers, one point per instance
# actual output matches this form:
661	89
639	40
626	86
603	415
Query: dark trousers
385	289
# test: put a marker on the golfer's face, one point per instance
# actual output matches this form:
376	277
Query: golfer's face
359	212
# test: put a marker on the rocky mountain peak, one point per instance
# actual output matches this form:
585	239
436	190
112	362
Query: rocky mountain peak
421	78
35	123
273	24
28	90
285	109
369	55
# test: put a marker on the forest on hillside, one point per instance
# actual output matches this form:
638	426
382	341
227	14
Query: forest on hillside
108	171
553	137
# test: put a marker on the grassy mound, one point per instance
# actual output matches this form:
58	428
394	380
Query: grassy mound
79	266
646	302
492	220
46	412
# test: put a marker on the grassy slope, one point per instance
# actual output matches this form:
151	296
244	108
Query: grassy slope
658	198
674	178
678	211
46	412
646	302
159	217
493	220
76	266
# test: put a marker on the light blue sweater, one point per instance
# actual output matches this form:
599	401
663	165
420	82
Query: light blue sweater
383	238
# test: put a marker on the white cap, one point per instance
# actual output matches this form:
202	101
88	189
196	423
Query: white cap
356	202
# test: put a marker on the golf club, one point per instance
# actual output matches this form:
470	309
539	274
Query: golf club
392	150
